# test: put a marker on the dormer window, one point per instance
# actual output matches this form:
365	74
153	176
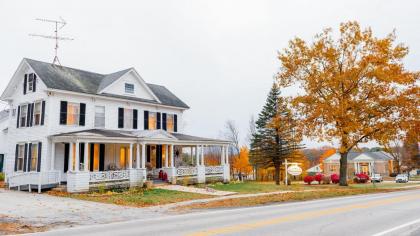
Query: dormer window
129	88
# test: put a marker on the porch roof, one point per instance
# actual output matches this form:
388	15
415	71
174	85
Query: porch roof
149	136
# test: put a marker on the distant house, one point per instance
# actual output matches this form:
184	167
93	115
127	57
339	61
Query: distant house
361	162
314	169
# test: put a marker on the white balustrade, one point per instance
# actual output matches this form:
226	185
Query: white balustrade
186	171
103	176
214	170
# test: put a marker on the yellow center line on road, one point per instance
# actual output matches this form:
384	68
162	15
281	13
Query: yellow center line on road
301	216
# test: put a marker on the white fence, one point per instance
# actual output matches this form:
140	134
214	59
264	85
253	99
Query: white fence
214	170
186	171
33	178
114	175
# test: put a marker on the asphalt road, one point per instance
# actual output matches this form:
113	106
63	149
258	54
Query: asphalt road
396	213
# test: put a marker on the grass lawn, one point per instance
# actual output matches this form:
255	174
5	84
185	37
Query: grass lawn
383	185
136	197
255	187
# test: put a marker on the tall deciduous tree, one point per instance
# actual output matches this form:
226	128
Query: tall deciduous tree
356	87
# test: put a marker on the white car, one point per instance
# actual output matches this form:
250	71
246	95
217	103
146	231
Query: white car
401	178
376	178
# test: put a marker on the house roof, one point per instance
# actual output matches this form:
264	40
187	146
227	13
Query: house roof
81	81
351	156
142	134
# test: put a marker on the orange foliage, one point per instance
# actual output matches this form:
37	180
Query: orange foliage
241	162
325	155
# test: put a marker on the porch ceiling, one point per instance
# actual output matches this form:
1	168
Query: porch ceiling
148	136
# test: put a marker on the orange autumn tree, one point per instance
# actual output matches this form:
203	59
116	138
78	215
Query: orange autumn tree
356	88
241	164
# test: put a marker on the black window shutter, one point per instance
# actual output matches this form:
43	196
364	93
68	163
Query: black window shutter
82	115
25	81
164	121
34	83
66	156
63	113
158	123
25	158
28	115
146	120
38	167
16	156
135	116
18	117
101	157
175	123
148	153
120	117
92	153
81	152
29	157
42	112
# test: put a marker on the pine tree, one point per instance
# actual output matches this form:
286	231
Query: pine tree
272	142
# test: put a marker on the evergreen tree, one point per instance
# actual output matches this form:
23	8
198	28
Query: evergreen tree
273	140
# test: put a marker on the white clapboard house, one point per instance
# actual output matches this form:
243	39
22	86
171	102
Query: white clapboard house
85	129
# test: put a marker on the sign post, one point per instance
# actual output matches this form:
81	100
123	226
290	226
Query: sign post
291	168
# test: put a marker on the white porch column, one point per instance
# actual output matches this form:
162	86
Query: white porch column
370	168
202	155
52	156
130	157
77	161
222	156
166	155
70	165
137	156
355	168
172	155
86	157
197	156
143	155
226	167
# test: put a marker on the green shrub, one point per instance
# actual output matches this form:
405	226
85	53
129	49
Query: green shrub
1	176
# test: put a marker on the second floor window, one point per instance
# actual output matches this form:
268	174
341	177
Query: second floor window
127	118
170	122
99	116
129	88
23	115
72	113
152	120
37	113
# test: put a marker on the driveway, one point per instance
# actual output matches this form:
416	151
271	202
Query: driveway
45	210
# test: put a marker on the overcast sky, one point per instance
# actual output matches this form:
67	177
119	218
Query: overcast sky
217	56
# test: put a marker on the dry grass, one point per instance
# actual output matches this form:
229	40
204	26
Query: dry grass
12	227
135	197
324	192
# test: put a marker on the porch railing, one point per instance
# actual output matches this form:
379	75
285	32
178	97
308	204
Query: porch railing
186	171
214	170
104	176
33	178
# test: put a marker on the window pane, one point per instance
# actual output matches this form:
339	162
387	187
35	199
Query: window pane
37	113
128	118
170	123
73	113
152	120
129	88
23	114
100	116
34	157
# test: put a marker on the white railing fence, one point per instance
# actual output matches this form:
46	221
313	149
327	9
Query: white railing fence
114	175
33	178
186	171
214	170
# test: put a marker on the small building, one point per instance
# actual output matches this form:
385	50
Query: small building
314	170
361	162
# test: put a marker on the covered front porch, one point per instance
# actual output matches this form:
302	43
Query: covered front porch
96	157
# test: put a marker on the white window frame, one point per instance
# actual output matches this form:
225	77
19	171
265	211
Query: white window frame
35	167
99	116
25	117
128	118
173	122
77	114
127	89
39	113
153	122
21	152
30	82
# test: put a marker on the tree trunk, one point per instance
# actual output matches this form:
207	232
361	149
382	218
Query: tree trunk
277	174
343	169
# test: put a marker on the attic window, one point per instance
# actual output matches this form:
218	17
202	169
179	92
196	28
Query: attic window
129	88
31	82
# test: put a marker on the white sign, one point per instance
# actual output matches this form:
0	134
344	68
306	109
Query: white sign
294	170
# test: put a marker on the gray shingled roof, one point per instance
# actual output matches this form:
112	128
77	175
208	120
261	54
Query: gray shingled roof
352	155
75	80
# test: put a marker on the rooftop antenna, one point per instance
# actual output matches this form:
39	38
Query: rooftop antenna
59	24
